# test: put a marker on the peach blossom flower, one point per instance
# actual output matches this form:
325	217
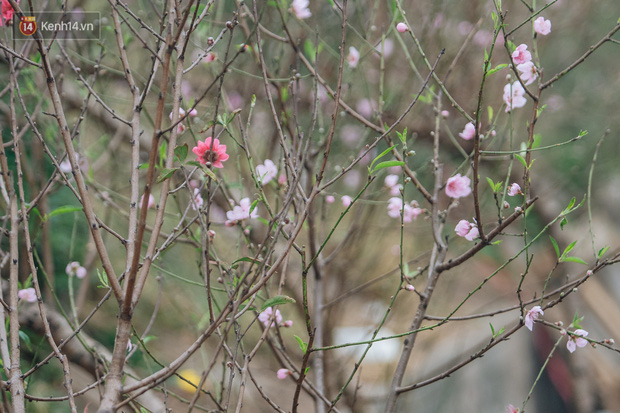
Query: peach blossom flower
211	152
209	57
198	201
193	112
514	189
575	340
267	317
458	186
330	199
402	27
74	268
7	12
511	409
528	72
391	182
181	113
266	172
150	204
531	316
300	8
409	211
27	294
472	234
282	373
468	132
542	26
462	228
409	287
240	212
513	96
353	57
346	200
521	55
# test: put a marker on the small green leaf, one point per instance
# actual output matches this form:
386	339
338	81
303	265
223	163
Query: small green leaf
570	247
102	279
388	164
563	223
253	206
263	220
602	252
302	345
402	136
209	173
491	184
520	159
165	174
577	320
25	339
277	300
496	69
490	113
62	210
381	155
492	329
181	152
574	259
555	246
143	166
496	242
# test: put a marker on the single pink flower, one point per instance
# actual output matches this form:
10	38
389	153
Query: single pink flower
531	316
391	182
458	186
209	57
402	27
511	409
514	189
266	172
193	112
575	340
150	204
74	268
542	26
211	152
27	294
514	96
267	317
472	234
7	12
462	228
528	72
181	113
353	57
330	199
346	200
521	55
468	132
198	201
301	9
282	374
240	212
409	211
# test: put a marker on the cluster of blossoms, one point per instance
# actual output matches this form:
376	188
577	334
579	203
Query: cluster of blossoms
410	211
391	183
467	230
240	212
7	12
269	319
575	339
266	172
75	269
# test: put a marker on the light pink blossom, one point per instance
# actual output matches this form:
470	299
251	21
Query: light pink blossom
74	268
462	228
528	72
468	132
521	55
542	26
209	57
391	182
402	27
531	316
445	113
409	211
409	287
330	199
300	8
266	172
241	212
267	317
514	96
181	113
211	152
472	234
193	112
150	204
346	200
511	409
575	340
287	323
282	180
27	294
514	189
458	186
282	373
198	201
353	57
7	12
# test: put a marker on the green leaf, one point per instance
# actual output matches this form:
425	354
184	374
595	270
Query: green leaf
537	140
381	155
263	220
25	339
496	242
490	113
210	173
194	163
277	300
574	259
244	259
555	246
577	320
165	174
563	223
302	345
65	209
402	136
388	164
143	166
491	184
570	247
496	69
602	252
253	206
520	159
181	152
102	279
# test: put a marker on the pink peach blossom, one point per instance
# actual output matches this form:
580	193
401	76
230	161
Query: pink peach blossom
150	204
514	189
209	57
542	26
240	212
7	12
27	294
575	340
462	228
409	287
468	132
402	27
266	172
353	57
211	152
511	409
74	268
514	96
282	373
528	72
330	199
267	317
531	316
346	200
458	186
472	234
301	9
193	112
198	201
521	55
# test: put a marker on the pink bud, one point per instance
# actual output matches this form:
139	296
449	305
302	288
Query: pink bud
445	113
402	27
193	112
409	287
330	199
346	200
287	323
282	373
282	180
